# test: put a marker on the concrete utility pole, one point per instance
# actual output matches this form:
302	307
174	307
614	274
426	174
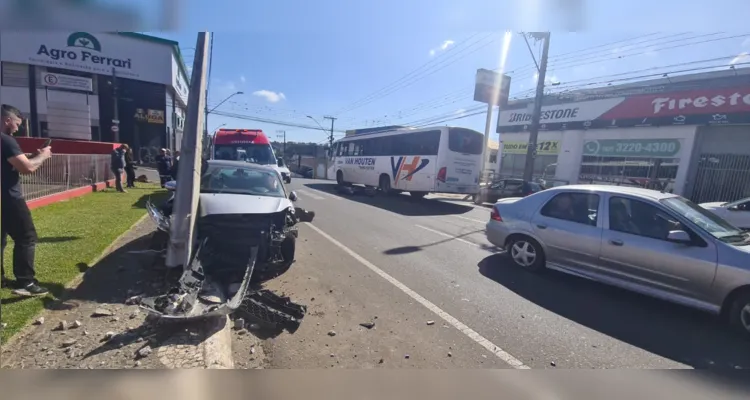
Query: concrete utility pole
115	112
282	134
188	176
330	137
528	171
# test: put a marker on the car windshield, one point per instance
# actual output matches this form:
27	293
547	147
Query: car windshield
708	221
255	153
251	181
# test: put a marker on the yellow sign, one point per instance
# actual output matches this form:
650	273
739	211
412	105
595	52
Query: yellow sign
155	116
545	147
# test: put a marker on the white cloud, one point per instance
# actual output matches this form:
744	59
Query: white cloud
242	78
741	58
272	97
444	46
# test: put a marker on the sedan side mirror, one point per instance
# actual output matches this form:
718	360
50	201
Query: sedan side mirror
171	186
681	237
293	196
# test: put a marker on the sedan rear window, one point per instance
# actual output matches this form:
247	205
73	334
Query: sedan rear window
575	207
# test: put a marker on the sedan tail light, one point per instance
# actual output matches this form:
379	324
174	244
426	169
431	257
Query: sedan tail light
495	215
442	174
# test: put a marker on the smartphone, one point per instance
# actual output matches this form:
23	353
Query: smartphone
46	143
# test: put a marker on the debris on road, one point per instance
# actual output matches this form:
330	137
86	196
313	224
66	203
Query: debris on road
102	312
381	361
406	356
39	321
430	322
368	325
133	300
239	323
69	342
63	326
78	324
331	333
450	354
144	352
109	335
553	364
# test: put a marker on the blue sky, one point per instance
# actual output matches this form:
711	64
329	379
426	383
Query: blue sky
324	56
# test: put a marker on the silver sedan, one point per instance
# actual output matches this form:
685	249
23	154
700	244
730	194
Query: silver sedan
658	244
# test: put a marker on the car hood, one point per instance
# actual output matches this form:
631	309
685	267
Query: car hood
714	205
283	170
508	200
229	203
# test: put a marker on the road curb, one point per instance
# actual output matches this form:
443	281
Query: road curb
217	348
73	283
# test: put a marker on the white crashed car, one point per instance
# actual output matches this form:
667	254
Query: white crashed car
736	213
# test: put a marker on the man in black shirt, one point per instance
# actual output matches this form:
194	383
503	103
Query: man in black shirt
16	217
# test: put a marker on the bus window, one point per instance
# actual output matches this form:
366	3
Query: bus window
465	141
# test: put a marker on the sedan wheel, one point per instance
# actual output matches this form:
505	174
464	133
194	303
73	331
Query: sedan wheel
740	314
526	253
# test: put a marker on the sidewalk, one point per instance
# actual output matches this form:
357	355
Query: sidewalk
95	326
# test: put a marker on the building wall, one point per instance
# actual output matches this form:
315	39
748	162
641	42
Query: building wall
571	147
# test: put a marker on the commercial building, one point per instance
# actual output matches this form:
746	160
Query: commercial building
107	87
689	135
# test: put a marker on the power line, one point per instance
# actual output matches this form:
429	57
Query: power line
417	70
268	121
442	66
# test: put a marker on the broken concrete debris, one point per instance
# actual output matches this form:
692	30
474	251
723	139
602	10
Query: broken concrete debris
69	342
77	324
368	325
109	335
331	333
39	321
63	326
102	312
144	351
430	322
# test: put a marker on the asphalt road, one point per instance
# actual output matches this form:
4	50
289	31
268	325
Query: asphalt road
411	261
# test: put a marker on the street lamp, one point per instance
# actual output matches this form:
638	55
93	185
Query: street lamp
222	102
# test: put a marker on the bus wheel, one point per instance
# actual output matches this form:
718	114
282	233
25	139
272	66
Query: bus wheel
385	184
340	178
418	195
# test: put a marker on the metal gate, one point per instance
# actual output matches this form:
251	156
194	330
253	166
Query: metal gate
721	177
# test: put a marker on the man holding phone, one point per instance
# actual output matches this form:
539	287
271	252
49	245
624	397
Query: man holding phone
16	217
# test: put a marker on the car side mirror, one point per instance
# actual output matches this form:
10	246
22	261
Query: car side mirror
293	196
171	186
681	237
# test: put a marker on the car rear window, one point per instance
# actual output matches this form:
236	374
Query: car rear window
465	141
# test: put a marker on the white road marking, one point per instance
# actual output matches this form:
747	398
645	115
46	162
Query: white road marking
327	195
468	219
310	195
447	235
472	334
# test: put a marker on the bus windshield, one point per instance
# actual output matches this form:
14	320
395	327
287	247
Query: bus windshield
255	153
465	141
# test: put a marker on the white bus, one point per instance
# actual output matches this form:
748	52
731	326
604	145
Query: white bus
418	161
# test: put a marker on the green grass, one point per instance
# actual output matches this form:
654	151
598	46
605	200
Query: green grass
70	233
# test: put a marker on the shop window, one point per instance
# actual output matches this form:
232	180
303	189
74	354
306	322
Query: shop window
514	164
651	173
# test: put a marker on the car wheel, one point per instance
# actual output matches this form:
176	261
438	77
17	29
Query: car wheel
526	253
340	178
739	314
477	199
418	195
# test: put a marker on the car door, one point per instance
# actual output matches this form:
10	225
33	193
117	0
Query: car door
569	228
635	249
513	188
494	191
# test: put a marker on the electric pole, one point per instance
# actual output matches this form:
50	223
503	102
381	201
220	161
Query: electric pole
281	133
115	112
528	171
330	138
